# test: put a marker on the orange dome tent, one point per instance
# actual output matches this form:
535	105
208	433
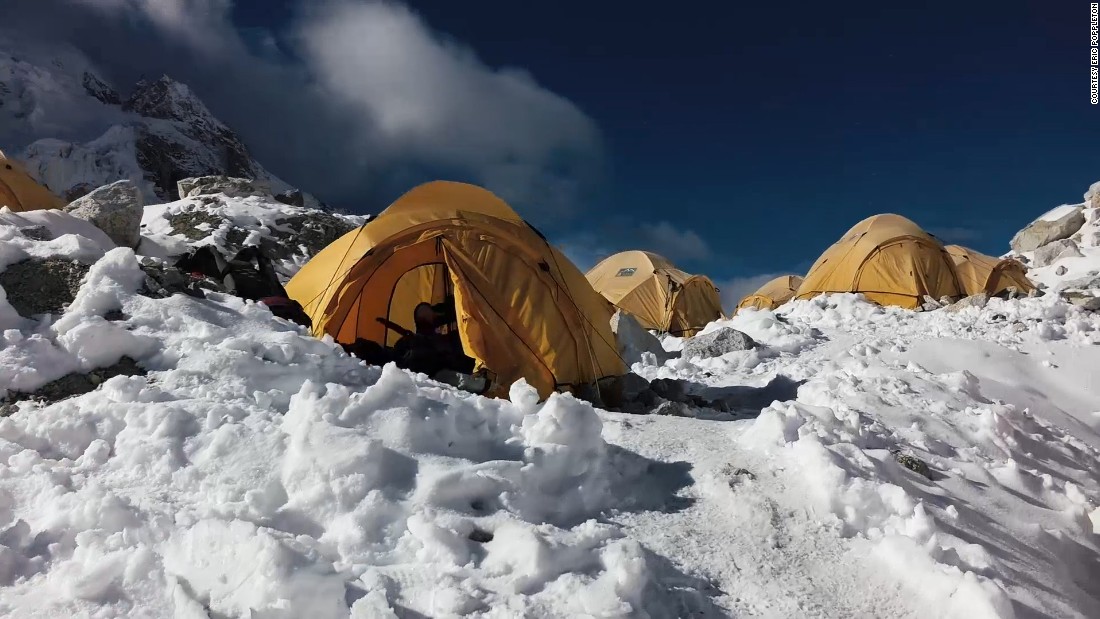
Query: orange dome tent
19	192
524	310
981	273
889	259
659	295
773	294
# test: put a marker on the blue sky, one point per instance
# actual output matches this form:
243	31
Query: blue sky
770	128
739	140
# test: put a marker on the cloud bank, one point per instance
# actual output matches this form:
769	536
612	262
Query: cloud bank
354	100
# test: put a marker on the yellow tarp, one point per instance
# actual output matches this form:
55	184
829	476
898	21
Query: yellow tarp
525	311
773	294
889	259
19	192
659	295
981	273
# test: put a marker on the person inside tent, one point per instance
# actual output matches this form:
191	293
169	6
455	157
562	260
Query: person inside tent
249	275
434	348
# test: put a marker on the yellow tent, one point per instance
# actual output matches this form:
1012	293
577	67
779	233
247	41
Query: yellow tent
658	294
773	294
887	258
524	310
981	273
19	192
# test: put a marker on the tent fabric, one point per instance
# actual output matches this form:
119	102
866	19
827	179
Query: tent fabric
524	310
981	273
773	294
19	192
887	258
659	295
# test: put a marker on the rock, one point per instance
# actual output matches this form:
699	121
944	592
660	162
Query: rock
978	300
294	235
1054	251
634	341
669	389
36	286
98	89
673	409
1092	196
717	343
76	384
293	197
1042	232
115	209
913	463
162	281
1061	270
210	185
1081	299
37	233
77	191
931	304
1088	282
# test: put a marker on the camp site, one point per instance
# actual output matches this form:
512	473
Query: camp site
409	310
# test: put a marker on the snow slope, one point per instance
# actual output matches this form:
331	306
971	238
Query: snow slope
258	472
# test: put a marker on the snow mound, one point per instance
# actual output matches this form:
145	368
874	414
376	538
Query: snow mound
257	470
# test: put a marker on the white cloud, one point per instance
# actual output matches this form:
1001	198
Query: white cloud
673	243
358	99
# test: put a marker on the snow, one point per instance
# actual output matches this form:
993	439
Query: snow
258	471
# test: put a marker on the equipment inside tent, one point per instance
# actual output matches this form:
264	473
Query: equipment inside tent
773	294
659	295
524	310
19	192
993	276
889	259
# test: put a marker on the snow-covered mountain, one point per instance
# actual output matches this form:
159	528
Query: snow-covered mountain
78	133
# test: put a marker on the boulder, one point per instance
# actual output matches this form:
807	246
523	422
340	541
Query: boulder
36	286
1089	282
1061	270
717	343
1054	251
978	300
1092	196
233	187
1042	232
1082	299
634	341
115	209
293	197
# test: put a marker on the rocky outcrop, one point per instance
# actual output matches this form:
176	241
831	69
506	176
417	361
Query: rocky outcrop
1042	232
1092	196
115	209
99	89
36	286
1082	299
717	343
1054	251
212	185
